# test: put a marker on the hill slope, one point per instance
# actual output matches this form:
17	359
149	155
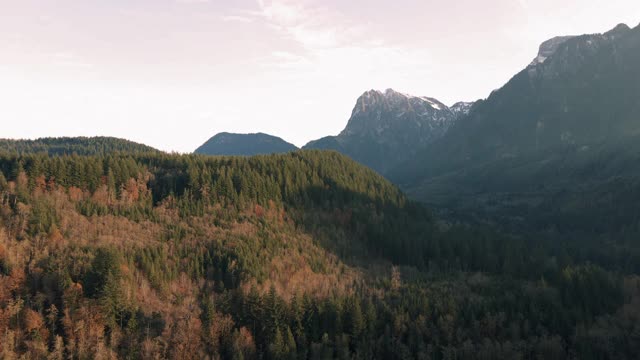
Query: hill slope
73	145
244	145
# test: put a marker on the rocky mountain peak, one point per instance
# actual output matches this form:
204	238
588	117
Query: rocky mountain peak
461	108
618	30
375	100
378	112
548	48
386	127
566	53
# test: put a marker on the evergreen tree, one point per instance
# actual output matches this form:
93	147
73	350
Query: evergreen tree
277	347
355	322
290	346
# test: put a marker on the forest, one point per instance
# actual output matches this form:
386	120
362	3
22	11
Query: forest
137	254
73	145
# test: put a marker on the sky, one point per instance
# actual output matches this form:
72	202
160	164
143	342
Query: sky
172	73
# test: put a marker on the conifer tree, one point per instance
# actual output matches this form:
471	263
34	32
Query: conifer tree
277	347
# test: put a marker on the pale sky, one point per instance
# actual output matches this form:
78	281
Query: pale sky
172	73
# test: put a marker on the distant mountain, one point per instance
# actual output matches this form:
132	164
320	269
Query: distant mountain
386	128
244	145
461	108
74	145
567	123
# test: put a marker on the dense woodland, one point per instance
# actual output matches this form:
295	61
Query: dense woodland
305	255
99	145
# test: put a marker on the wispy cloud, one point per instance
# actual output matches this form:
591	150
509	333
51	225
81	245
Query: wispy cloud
327	44
310	25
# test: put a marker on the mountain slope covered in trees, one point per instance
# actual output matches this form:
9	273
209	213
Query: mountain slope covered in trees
73	145
304	255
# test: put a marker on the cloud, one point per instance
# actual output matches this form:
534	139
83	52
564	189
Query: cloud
328	41
309	25
311	44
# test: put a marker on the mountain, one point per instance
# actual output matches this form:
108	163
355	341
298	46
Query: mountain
74	145
386	128
461	108
244	145
566	124
549	47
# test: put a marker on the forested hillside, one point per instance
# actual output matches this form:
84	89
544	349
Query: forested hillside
73	145
306	255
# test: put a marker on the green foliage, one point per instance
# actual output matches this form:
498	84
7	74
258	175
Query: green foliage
103	274
69	146
43	218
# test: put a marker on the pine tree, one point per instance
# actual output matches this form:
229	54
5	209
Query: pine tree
290	346
112	301
355	320
272	311
106	263
277	347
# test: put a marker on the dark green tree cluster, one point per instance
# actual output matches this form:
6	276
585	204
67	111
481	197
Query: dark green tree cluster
75	145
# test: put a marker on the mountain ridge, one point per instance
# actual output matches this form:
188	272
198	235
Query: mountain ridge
386	127
234	144
554	131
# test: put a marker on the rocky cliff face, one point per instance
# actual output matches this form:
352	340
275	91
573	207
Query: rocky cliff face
383	115
549	47
385	128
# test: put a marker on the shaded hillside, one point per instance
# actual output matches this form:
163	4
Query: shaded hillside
565	124
244	145
73	145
